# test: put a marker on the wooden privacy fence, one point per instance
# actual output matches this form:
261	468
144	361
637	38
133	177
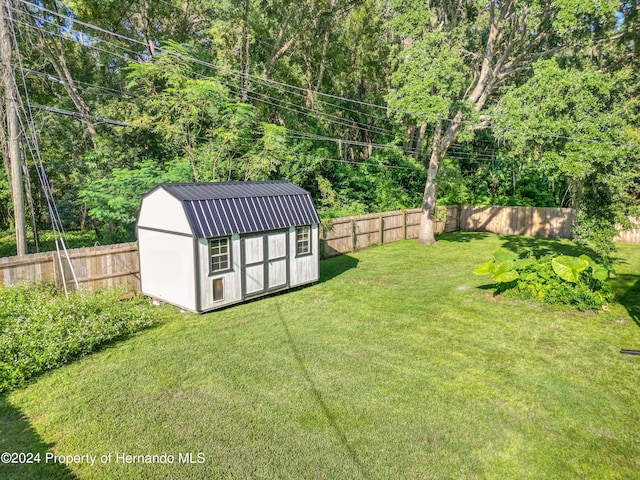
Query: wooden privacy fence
632	235
94	267
349	234
528	221
354	233
113	265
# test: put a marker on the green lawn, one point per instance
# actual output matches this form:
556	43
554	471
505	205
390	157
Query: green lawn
397	365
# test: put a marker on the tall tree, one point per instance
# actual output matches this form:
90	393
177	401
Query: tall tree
458	55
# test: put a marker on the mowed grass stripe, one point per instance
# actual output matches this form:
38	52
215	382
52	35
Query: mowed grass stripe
396	365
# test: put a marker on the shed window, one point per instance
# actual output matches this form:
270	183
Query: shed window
220	254
303	240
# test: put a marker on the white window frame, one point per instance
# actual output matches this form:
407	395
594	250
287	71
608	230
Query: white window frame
215	247
303	237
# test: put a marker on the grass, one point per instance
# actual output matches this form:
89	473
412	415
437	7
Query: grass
398	364
74	239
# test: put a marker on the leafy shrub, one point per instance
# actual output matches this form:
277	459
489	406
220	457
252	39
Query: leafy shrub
40	329
563	279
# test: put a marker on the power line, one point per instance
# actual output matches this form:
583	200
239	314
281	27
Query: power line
70	113
54	214
343	121
285	85
47	76
79	39
368	164
211	65
32	27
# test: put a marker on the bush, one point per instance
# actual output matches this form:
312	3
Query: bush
40	329
567	280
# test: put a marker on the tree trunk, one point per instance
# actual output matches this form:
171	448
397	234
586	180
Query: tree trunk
59	63
309	74
323	58
13	130
441	143
278	47
31	204
426	233
421	134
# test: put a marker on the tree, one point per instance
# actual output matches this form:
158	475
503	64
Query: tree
458	55
573	124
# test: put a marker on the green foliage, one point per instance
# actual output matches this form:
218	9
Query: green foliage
5	200
419	58
386	181
541	119
113	202
73	239
504	180
40	329
564	279
569	268
431	77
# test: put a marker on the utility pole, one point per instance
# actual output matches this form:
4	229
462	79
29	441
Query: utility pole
13	137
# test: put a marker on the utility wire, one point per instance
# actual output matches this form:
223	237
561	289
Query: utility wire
138	54
294	87
343	121
54	214
70	113
277	105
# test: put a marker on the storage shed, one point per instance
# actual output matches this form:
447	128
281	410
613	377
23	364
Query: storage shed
206	245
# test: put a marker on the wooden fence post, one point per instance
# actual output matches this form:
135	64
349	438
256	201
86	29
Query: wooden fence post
353	235
381	229
404	224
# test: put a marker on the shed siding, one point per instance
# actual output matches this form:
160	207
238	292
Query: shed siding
167	267
162	211
231	279
304	269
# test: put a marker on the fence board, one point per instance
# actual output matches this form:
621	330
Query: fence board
94	267
114	265
632	235
529	221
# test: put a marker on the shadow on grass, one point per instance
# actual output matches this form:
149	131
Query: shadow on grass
627	291
461	237
17	436
318	397
334	266
538	247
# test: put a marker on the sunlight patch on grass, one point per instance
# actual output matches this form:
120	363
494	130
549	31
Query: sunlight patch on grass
384	369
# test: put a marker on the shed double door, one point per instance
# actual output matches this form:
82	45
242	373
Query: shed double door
264	262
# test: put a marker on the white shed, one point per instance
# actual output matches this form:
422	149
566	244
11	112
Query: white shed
206	245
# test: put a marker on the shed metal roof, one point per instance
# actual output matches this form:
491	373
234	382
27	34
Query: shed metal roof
225	208
216	190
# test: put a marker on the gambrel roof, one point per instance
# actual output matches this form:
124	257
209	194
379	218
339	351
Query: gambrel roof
224	208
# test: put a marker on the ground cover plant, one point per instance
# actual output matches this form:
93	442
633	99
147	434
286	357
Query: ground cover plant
41	329
400	363
560	279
